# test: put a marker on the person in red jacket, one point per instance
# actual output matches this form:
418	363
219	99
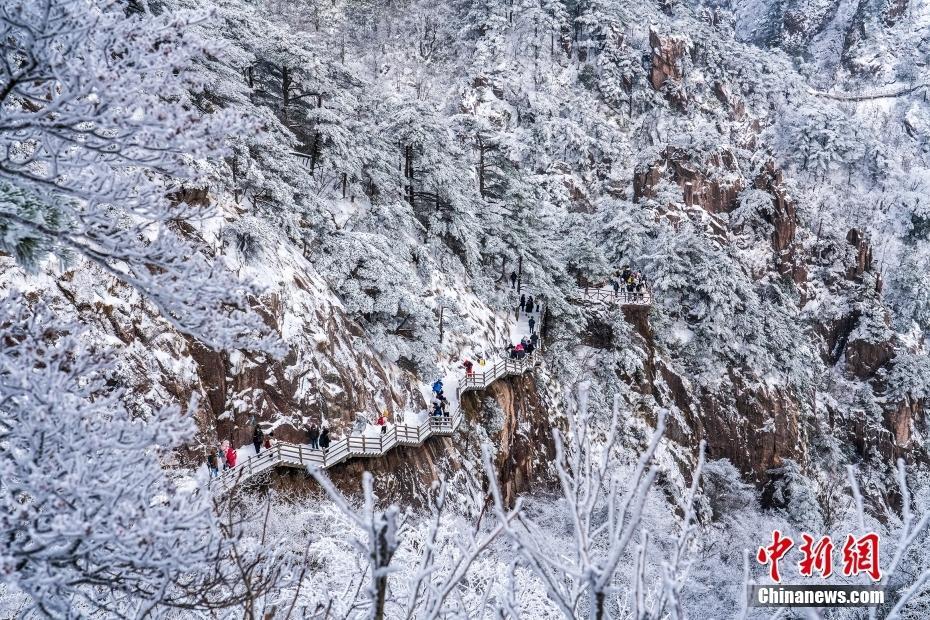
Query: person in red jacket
382	421
230	457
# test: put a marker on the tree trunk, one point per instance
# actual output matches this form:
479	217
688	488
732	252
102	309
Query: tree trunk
408	172
480	167
314	152
286	80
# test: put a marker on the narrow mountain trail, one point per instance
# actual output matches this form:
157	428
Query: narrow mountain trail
415	429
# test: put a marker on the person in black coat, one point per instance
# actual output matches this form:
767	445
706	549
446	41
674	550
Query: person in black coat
513	279
257	438
324	440
313	434
213	465
532	324
522	302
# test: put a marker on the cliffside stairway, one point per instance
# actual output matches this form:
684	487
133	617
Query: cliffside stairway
373	443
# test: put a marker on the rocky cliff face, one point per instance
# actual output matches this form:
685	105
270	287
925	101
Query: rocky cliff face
667	65
754	424
330	370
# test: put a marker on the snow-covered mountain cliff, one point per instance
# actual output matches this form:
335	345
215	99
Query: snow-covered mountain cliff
314	211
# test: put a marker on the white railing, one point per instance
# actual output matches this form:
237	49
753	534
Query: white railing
503	367
303	159
353	446
622	297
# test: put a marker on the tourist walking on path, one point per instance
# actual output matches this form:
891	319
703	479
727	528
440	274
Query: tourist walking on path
467	365
437	387
314	436
529	304
532	324
230	457
270	441
324	440
382	421
212	464
257	439
522	302
513	279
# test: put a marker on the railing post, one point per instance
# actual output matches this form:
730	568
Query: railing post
300	452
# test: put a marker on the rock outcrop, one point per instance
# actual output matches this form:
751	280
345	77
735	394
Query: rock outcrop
713	183
784	220
667	65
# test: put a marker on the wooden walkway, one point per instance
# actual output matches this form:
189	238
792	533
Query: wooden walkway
367	446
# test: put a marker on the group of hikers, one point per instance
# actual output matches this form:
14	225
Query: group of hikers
317	437
526	346
634	281
528	304
227	456
440	402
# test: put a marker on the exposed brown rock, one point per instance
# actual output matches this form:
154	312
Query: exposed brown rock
893	11
194	196
863	263
784	217
834	336
784	220
868	436
734	104
765	430
901	419
667	64
525	446
864	358
755	426
712	184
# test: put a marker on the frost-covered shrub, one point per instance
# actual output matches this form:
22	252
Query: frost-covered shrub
793	492
725	490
